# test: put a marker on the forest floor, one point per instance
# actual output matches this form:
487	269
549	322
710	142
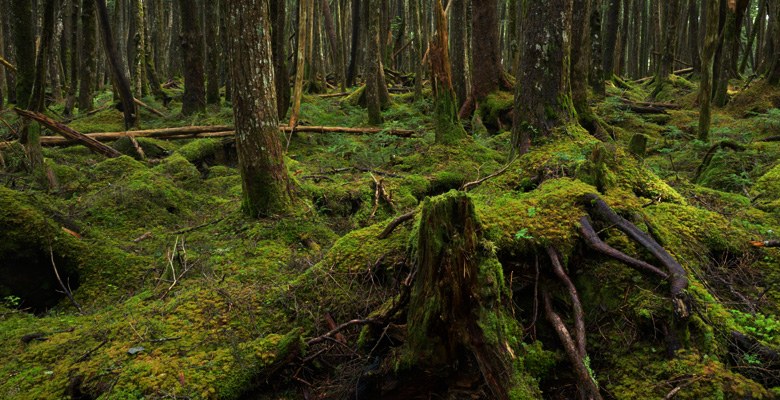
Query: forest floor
183	296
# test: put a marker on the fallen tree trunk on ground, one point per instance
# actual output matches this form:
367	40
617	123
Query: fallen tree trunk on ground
678	72
647	104
216	131
69	133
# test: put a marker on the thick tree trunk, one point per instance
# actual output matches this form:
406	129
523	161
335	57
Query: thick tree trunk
24	49
149	61
117	70
89	46
724	72
707	59
194	97
610	38
458	50
774	72
267	189
445	109
596	73
486	74
580	65
543	92
212	51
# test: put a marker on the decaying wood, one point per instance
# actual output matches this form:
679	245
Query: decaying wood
765	243
394	224
332	324
7	64
678	278
151	110
580	370
644	109
769	139
329	95
678	72
69	133
594	242
13	132
647	104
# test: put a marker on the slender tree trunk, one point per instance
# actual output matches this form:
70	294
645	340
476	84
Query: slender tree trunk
458	49
580	65
194	99
372	65
88	56
596	74
226	62
353	53
267	189
117	70
24	46
75	53
667	60
212	51
149	61
445	111
655	30
303	23
6	21
139	46
334	47
707	59
610	38
774	72
38	95
693	35
624	30
54	64
417	48
753	33
543	90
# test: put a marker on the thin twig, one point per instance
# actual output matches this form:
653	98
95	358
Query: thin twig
62	285
339	329
466	186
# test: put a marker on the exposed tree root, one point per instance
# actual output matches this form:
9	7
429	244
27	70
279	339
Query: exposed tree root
705	163
394	224
579	314
678	278
594	242
583	375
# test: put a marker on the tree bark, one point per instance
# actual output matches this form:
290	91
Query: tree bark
693	35
9	48
486	74
303	23
194	97
353	53
117	70
580	65
24	49
278	40
707	59
596	73
139	48
267	189
458	50
610	38
445	109
543	92
149	60
37	97
212	51
89	46
372	65
338	57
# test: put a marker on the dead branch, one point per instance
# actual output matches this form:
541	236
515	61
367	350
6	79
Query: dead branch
580	370
69	133
769	139
136	146
766	243
579	314
8	65
318	177
166	339
99	109
594	242
13	132
677	276
647	104
394	223
466	186
376	196
678	72
674	391
342	94
339	329
151	110
89	352
142	237
705	163
62	285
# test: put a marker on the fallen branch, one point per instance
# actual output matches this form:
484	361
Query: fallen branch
342	94
152	110
7	64
13	132
765	243
595	243
164	339
142	237
69	133
769	139
580	370
647	104
62	285
645	109
339	329
99	109
674	391
678	72
394	224
89	352
678	278
466	186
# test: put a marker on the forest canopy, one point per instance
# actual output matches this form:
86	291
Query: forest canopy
376	199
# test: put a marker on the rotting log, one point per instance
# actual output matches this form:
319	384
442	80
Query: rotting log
705	162
678	72
152	110
69	133
648	104
459	302
678	278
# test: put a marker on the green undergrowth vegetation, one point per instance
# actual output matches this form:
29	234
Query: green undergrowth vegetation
183	295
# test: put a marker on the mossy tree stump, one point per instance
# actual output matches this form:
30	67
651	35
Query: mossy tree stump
459	304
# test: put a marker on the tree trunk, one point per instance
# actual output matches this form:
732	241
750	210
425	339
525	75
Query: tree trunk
278	40
212	51
596	73
353	53
445	109
774	73
667	60
74	55
580	65
338	57
24	48
89	46
458	50
543	93
693	35
624	38
303	23
117	70
267	189
459	311
372	65
6	21
721	85
139	48
194	97
707	59
486	74
149	61
610	38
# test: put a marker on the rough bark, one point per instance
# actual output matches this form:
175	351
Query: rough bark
353	53
458	50
139	48
300	63
212	51
707	59
372	65
89	44
267	189
610	38
191	40
24	49
418	46
69	133
543	92
693	35
580	65
37	97
149	61
596	73
9	48
74	52
667	59
338	56
720	97
487	73
121	80
774	72
278	41
445	110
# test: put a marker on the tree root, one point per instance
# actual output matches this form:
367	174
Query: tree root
705	163
577	359
394	224
579	314
678	278
595	243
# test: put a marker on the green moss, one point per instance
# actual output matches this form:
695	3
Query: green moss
199	149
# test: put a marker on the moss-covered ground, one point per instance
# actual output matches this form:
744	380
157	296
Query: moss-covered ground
183	296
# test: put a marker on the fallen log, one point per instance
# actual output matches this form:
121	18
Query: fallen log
7	64
644	109
648	104
150	109
69	133
342	94
678	72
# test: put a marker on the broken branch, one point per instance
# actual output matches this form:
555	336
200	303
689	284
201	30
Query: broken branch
394	224
69	133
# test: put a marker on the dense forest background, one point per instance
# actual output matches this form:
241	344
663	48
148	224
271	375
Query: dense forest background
362	199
